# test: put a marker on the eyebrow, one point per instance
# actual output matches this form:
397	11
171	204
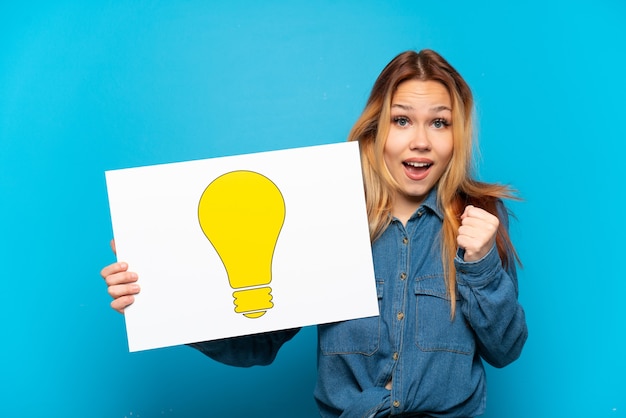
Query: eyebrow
433	109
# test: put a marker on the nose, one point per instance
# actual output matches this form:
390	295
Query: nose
419	139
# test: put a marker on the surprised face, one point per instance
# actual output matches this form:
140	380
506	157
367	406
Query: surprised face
420	142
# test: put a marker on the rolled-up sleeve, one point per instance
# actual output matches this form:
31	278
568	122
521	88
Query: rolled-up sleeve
489	301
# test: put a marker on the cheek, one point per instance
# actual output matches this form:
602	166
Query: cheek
448	155
393	146
388	150
446	149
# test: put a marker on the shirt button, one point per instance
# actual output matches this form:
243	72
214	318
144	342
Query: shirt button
405	240
396	404
400	316
402	276
420	213
395	356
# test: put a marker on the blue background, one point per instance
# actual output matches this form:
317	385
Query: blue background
91	86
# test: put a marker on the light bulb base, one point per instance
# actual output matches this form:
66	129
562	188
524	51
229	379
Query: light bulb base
253	303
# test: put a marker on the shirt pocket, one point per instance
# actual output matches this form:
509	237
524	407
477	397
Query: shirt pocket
436	331
355	336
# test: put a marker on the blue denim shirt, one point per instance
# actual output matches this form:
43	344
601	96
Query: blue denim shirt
433	361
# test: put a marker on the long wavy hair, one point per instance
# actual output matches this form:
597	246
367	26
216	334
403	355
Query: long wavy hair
457	186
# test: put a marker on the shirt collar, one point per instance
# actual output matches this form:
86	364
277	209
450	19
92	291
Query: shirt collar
431	203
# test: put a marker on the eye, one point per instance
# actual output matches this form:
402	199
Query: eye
401	121
440	123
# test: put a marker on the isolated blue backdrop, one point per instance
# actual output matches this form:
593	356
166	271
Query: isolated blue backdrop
91	86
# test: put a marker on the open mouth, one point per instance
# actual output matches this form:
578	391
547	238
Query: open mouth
417	170
413	165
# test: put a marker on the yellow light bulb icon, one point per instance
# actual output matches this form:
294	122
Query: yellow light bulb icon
242	213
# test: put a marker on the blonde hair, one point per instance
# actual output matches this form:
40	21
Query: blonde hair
456	188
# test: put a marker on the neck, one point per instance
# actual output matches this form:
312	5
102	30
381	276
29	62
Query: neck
402	210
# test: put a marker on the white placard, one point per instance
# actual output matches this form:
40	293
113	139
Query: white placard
296	217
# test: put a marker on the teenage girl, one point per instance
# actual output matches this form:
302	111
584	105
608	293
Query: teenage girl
444	263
